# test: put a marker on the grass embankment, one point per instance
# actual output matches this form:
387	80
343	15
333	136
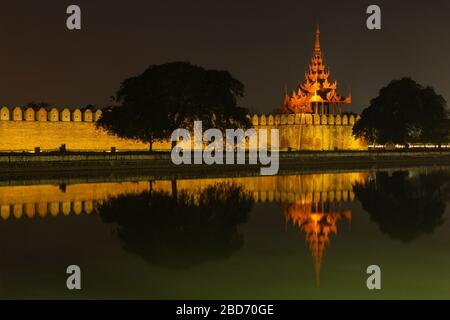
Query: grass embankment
159	164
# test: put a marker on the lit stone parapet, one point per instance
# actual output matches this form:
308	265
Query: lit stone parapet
50	128
263	120
4	114
76	115
97	114
65	115
42	115
30	114
52	114
344	120
87	115
306	131
17	114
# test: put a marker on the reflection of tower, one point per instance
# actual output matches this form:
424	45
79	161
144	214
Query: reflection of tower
317	220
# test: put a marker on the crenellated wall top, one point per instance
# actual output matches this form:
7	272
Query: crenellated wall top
51	114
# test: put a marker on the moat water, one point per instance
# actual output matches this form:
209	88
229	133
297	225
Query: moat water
302	236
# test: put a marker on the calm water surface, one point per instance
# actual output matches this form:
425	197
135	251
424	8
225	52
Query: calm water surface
284	237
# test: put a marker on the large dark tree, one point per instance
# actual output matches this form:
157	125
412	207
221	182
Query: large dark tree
403	205
37	105
171	96
404	112
181	229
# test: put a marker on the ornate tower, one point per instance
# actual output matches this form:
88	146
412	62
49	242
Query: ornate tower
316	94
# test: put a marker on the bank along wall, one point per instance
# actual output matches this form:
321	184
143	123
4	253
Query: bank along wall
24	129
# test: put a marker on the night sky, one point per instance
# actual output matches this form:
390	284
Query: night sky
265	44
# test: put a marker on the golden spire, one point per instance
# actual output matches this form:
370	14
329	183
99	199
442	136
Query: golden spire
317	88
317	45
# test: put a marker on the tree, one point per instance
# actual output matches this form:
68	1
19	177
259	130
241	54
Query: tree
171	96
89	106
37	105
405	206
180	230
404	111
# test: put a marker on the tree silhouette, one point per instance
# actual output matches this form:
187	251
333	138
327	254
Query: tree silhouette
404	111
182	230
37	105
405	207
171	96
89	106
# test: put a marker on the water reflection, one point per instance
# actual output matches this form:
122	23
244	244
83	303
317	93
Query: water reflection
183	223
318	222
186	222
404	204
181	229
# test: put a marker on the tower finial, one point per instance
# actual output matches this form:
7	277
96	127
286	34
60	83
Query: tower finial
317	45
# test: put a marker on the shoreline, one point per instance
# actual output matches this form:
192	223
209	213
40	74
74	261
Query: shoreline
114	167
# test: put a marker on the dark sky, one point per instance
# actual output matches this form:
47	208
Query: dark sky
265	44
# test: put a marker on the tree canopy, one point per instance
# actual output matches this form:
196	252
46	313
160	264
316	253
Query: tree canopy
171	96
406	206
181	229
37	105
404	111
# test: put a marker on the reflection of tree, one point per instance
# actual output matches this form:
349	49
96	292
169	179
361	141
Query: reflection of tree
405	207
183	230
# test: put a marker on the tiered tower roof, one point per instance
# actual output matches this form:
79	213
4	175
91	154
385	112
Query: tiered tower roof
317	89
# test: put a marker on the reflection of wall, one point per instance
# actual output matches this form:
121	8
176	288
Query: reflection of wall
43	200
24	130
312	203
306	188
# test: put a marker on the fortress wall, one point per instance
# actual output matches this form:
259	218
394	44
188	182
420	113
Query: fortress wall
51	135
26	129
313	132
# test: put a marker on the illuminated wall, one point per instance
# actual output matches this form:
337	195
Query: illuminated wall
24	130
312	131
